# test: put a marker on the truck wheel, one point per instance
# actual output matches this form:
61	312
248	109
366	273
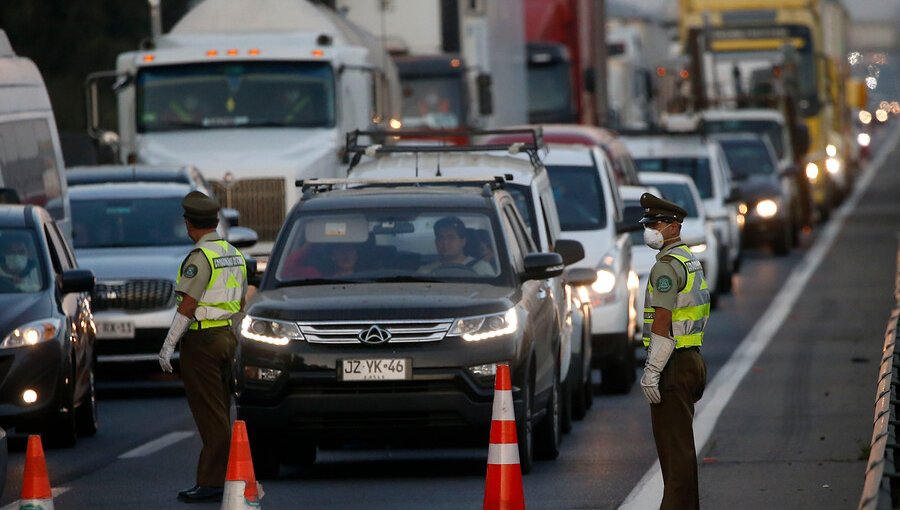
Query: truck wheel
549	432
617	374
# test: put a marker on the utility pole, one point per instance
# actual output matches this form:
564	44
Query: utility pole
598	21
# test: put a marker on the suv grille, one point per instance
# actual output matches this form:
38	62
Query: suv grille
260	202
398	331
133	295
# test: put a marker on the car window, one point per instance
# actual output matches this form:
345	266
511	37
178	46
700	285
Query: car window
522	241
128	222
769	128
695	168
20	267
522	196
678	193
515	236
70	257
747	158
61	261
390	245
579	198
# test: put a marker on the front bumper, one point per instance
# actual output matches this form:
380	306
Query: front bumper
758	229
39	368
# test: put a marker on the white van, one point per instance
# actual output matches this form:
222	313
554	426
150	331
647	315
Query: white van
31	162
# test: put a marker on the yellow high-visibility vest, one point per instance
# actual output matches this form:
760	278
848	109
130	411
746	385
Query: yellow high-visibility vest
222	297
691	305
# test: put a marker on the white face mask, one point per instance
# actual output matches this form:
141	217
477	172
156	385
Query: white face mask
16	262
653	238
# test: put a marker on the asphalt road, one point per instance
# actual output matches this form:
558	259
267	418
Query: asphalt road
793	434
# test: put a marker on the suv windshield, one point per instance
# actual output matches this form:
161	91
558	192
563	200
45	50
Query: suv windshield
768	128
390	245
128	222
20	271
695	168
579	197
748	157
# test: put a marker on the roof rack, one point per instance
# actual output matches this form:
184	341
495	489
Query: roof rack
488	184
381	142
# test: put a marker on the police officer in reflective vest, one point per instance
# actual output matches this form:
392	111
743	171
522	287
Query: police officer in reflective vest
676	309
210	288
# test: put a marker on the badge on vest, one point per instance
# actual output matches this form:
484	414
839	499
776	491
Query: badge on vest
232	261
190	271
663	284
693	266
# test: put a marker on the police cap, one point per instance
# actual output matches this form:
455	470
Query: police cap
201	210
658	209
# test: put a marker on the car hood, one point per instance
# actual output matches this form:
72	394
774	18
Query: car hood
382	301
19	309
758	187
128	263
265	152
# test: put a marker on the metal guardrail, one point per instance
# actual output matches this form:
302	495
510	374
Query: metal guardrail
881	489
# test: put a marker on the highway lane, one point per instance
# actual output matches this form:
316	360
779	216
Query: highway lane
601	461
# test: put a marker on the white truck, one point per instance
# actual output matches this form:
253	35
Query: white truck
254	94
634	47
449	52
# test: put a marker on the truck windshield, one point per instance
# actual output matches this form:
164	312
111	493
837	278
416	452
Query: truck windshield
128	222
434	102
390	245
768	128
695	168
235	95
549	92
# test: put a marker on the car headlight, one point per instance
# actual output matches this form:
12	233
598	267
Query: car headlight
270	331
833	165
812	171
831	150
32	333
698	248
474	329
605	283
863	139
766	208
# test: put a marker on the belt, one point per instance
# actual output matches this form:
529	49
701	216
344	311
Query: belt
688	348
208	324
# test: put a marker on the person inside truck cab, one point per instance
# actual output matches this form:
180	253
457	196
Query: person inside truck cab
343	258
450	238
187	110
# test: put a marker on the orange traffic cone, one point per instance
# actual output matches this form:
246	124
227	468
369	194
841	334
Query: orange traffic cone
503	488
35	483
241	490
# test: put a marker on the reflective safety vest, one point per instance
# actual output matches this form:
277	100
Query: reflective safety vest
222	297
691	305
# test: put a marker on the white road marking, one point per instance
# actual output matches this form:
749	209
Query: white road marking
157	444
57	492
648	492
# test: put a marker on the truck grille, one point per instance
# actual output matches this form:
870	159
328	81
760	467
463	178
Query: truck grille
398	331
260	202
133	295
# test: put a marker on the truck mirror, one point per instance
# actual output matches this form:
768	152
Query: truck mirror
801	140
485	94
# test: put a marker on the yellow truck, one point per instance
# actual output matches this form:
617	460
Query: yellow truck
786	54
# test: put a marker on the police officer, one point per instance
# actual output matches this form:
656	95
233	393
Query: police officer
211	288
676	309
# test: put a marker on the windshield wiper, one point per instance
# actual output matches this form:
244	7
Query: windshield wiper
317	281
406	278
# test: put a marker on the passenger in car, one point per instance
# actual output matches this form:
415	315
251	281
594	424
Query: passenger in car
18	270
343	258
298	264
480	246
450	236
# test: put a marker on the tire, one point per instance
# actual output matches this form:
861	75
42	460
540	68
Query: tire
618	376
548	434
62	432
86	421
565	416
524	427
578	396
266	456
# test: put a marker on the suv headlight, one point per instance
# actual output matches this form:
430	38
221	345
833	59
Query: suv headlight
474	329
32	333
766	208
605	283
270	331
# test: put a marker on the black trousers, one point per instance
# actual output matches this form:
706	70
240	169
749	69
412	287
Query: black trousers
681	385
206	357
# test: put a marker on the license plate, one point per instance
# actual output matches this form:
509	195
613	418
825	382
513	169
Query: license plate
375	369
115	329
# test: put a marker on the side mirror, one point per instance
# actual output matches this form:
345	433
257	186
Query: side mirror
571	251
626	227
580	276
232	216
540	266
485	94
253	278
77	280
242	237
801	140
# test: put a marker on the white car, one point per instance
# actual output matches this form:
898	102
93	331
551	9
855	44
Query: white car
696	230
704	161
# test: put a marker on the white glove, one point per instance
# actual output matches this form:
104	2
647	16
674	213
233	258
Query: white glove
661	348
179	325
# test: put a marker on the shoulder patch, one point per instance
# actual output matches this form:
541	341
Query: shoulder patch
190	271
663	284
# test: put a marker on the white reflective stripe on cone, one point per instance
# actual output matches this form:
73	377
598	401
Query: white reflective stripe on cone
36	504
503	454
233	497
503	406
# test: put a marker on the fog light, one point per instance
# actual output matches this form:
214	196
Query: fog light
486	370
261	374
29	396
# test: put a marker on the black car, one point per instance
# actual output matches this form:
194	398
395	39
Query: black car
47	329
407	338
